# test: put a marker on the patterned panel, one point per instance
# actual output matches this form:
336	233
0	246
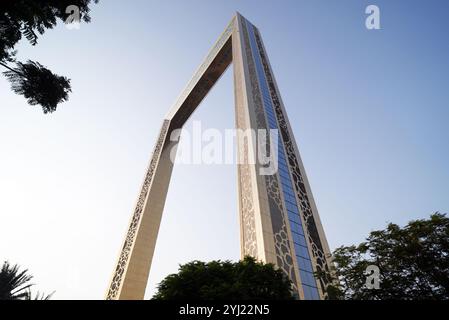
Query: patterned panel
248	212
132	230
248	221
282	246
306	210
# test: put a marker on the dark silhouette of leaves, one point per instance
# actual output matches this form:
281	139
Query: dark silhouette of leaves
15	284
413	262
30	19
217	280
39	85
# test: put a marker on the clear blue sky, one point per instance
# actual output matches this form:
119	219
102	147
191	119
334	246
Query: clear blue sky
369	110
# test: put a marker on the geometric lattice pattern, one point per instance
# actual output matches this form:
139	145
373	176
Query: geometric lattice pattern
279	222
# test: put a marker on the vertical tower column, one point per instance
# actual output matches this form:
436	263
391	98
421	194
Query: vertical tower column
300	243
131	273
279	221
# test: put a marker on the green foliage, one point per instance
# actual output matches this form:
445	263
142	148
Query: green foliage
217	280
29	19
39	85
413	263
15	284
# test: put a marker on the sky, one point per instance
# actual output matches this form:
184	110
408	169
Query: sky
369	110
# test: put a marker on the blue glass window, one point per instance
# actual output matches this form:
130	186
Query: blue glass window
310	293
304	264
302	251
307	278
299	241
296	228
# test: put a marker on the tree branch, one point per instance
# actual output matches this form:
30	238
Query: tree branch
13	70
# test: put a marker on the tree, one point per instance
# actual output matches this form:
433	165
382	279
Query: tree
217	280
413	263
29	19
15	284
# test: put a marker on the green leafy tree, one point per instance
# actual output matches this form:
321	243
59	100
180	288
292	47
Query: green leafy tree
16	285
218	280
29	19
413	263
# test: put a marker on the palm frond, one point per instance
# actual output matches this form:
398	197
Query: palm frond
14	285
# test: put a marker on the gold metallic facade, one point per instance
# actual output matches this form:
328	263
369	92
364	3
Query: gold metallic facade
267	226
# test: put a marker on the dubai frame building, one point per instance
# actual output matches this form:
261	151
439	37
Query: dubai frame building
279	221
